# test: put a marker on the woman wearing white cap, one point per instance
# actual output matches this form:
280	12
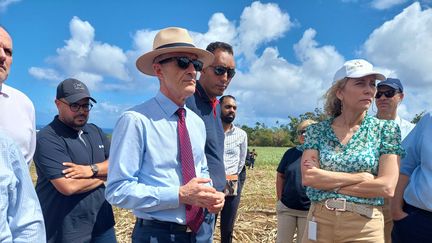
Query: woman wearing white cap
350	162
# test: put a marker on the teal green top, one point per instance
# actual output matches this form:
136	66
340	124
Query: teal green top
361	154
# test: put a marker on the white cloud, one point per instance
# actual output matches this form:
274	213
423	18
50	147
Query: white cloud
4	4
404	46
259	24
45	73
273	88
386	4
84	57
220	29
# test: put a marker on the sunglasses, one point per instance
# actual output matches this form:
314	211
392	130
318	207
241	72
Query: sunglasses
221	70
184	62
76	107
388	93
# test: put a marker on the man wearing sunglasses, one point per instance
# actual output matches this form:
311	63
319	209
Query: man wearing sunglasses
214	80
72	163
387	99
157	165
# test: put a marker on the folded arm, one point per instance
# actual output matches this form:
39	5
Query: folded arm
76	171
381	186
315	177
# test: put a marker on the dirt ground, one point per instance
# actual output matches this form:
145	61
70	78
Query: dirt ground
256	220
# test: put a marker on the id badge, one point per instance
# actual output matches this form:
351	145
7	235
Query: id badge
312	229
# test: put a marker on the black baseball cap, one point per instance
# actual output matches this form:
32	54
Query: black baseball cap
73	90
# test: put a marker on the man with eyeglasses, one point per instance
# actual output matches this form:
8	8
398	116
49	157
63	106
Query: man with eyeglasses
387	99
72	163
158	167
21	125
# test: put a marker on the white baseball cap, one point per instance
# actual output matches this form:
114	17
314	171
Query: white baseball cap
356	68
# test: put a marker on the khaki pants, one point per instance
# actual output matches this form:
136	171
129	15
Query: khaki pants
288	220
388	221
336	226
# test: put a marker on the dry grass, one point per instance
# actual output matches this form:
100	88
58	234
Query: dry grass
256	220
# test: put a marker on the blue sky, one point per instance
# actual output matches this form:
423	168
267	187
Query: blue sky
286	51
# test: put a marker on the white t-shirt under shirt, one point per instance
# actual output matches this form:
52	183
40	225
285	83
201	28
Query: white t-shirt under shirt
405	126
17	119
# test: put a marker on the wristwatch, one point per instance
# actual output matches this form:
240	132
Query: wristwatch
94	169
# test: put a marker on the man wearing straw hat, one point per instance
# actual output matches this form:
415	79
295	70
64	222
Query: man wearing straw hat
158	166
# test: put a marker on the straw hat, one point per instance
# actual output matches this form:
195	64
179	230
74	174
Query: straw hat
172	39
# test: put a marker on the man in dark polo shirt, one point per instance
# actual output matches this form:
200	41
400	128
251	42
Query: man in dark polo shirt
72	162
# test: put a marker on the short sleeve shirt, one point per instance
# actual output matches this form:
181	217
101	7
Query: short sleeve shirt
71	218
293	193
361	154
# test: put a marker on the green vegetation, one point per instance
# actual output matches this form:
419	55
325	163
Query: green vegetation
283	135
268	156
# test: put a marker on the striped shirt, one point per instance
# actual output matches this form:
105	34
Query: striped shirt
235	150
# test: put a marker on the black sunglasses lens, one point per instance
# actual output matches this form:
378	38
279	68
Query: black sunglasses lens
219	70
183	62
388	94
198	65
231	73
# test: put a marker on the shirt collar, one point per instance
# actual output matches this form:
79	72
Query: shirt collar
231	129
4	90
201	93
167	105
65	128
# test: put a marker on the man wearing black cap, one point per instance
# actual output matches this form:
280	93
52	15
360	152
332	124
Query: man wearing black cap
72	162
388	97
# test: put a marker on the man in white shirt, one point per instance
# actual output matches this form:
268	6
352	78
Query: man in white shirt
388	97
18	119
234	159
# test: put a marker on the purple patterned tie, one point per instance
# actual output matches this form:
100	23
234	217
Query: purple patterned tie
194	214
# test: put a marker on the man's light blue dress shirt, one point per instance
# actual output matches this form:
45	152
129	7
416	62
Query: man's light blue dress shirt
144	170
417	164
21	217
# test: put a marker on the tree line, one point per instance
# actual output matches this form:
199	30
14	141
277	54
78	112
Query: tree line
285	135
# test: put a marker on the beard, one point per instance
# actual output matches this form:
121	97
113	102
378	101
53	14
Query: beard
228	119
77	121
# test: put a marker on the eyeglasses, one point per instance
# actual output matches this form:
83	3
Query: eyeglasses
184	62
221	70
76	107
388	93
301	132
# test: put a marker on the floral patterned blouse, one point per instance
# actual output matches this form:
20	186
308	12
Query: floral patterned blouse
361	154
